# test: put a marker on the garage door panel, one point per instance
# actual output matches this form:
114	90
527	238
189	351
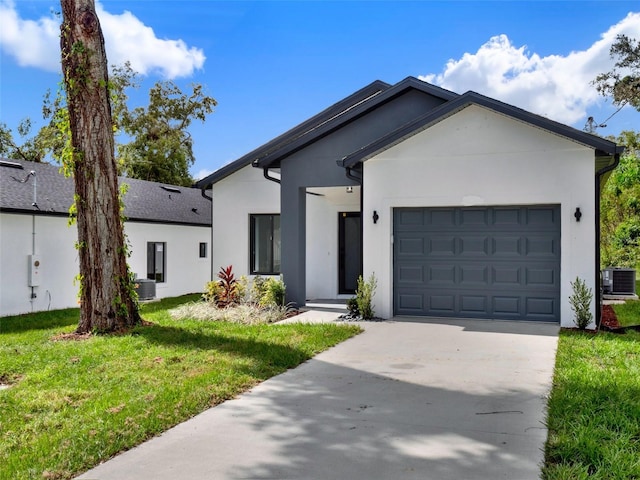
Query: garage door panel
442	218
473	304
441	275
541	306
506	276
507	246
441	245
474	276
473	218
540	246
506	306
411	246
411	274
442	304
506	217
412	303
490	262
474	246
542	276
542	217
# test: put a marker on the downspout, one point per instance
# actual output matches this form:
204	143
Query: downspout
265	172
598	179
33	227
202	192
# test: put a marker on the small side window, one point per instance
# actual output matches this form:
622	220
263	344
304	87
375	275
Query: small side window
203	250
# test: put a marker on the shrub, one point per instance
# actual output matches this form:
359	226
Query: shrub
581	303
364	296
257	289
273	292
352	307
212	291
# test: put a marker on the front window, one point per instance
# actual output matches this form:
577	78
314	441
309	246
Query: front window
156	261
265	244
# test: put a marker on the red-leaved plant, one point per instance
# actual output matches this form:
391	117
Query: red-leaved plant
229	293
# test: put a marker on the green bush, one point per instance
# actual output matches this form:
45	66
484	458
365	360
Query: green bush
352	306
364	296
212	291
581	303
273	292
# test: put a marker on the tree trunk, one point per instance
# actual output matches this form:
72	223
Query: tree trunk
107	299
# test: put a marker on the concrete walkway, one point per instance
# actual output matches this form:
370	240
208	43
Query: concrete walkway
404	400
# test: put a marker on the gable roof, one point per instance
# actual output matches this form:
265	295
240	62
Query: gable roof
49	192
602	146
410	83
302	130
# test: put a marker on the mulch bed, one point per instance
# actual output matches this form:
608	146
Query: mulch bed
609	319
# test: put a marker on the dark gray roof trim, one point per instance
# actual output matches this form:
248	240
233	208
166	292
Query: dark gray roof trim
600	145
400	88
145	201
289	136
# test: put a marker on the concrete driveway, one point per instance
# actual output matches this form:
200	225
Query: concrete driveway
421	400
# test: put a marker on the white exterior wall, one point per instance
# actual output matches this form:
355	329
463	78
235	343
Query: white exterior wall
185	271
55	246
322	239
234	198
474	158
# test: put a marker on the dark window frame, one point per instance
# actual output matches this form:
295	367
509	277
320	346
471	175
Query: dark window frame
203	250
275	246
152	273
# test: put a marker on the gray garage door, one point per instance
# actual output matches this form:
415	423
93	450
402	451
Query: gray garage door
495	262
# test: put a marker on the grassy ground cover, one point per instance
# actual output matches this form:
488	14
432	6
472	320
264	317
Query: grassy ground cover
594	408
72	404
628	313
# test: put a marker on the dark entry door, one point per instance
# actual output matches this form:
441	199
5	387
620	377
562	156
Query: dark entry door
350	251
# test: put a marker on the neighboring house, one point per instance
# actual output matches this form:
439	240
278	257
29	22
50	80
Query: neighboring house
461	205
168	229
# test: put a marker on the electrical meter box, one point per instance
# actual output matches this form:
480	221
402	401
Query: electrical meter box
34	270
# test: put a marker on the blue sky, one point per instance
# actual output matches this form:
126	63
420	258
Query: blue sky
271	65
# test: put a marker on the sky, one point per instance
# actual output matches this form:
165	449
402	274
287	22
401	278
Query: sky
273	64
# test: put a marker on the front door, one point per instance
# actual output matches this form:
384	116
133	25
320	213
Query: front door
350	251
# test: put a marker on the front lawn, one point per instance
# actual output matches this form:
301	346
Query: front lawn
72	404
594	408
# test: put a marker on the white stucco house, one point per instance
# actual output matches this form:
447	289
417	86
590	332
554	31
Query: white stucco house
168	229
461	205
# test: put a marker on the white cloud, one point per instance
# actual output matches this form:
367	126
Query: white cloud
36	43
555	86
202	173
33	43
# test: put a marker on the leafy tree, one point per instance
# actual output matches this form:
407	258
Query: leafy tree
107	297
620	208
161	148
32	149
155	143
622	83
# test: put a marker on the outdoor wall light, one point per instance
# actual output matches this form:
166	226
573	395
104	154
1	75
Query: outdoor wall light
578	214
375	217
349	189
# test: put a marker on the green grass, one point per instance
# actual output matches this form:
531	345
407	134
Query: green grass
628	313
73	404
594	408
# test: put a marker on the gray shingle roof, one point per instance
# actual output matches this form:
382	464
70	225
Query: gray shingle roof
305	129
144	202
